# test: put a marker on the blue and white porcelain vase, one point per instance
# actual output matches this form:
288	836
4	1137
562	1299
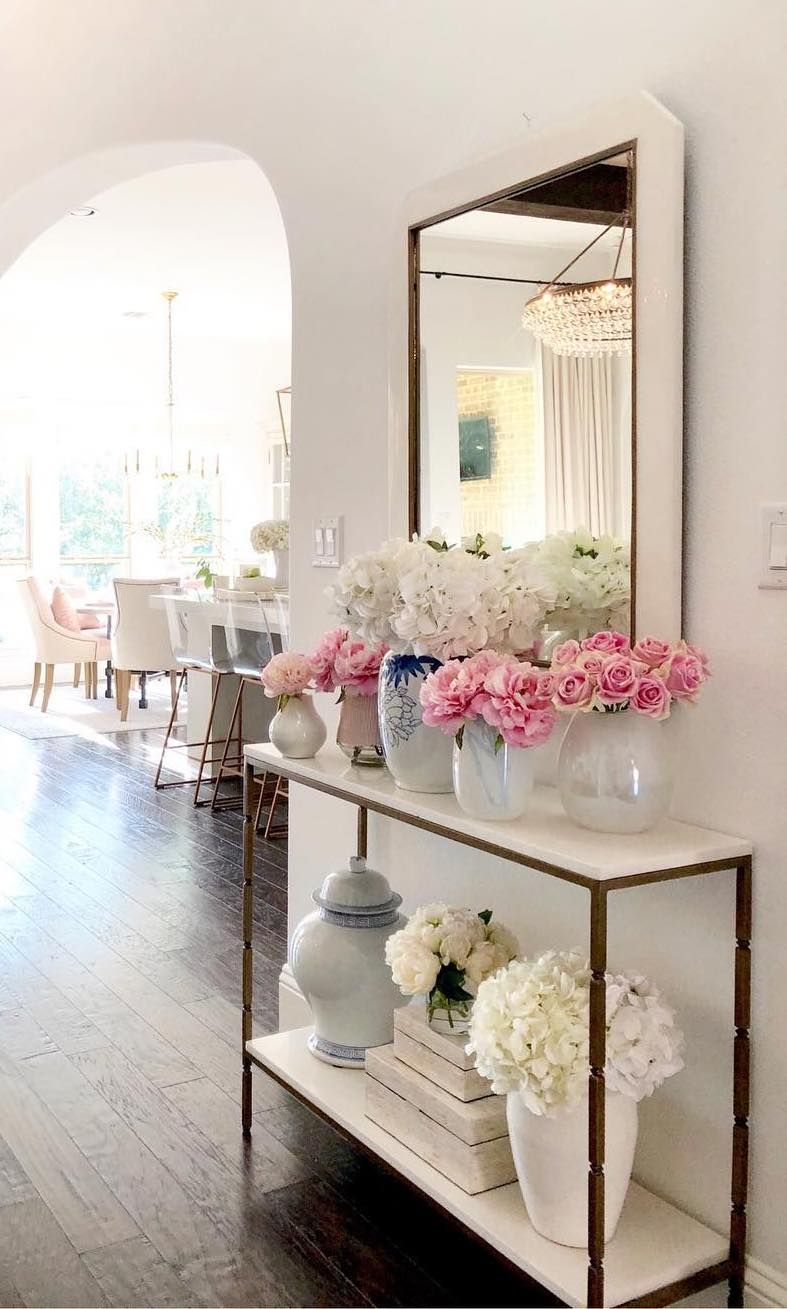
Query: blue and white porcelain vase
418	757
337	956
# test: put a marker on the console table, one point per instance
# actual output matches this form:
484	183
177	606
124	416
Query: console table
659	1254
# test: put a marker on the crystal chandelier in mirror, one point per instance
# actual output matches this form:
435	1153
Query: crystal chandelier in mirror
171	466
583	319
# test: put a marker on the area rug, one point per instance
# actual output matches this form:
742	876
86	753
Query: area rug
70	714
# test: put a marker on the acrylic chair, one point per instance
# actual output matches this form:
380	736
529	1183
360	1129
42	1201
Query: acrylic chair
141	641
250	644
277	789
190	661
55	644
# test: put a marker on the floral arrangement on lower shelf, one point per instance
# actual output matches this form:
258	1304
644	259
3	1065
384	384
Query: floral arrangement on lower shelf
444	954
529	1031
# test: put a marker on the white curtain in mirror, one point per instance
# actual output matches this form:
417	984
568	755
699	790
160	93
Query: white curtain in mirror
585	411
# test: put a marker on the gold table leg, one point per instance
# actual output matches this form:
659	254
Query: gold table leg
741	1083
248	889
596	1094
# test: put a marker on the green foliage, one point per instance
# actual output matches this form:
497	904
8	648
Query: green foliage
13	536
92	511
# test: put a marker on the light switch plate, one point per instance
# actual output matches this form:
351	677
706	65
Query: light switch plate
327	539
773	534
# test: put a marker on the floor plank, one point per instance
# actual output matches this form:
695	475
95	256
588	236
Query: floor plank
39	1263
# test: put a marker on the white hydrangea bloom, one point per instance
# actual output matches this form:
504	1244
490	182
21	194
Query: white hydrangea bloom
591	578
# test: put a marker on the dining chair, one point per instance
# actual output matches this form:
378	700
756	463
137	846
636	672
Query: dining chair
141	641
56	644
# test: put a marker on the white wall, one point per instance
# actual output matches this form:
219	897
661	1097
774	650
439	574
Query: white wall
349	108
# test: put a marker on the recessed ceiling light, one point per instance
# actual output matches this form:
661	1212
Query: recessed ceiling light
82	211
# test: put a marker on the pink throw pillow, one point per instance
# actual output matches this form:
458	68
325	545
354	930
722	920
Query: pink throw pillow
63	610
87	621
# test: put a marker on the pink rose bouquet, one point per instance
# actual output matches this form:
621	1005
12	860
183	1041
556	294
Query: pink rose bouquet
287	675
605	673
345	664
515	698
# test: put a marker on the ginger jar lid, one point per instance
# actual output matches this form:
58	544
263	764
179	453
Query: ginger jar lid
357	889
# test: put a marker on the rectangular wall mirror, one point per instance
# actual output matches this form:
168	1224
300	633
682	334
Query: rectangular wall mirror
524	332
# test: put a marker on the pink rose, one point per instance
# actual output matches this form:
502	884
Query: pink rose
651	697
618	679
357	666
574	689
517	705
652	651
446	700
287	674
683	675
592	662
698	654
565	654
607	643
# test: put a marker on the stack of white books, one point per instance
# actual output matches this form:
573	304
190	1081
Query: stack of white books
425	1091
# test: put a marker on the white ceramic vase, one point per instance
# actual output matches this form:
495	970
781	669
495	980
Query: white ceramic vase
551	1158
491	783
615	771
281	559
297	729
419	757
338	958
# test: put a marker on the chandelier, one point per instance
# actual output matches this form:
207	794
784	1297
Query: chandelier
583	319
168	469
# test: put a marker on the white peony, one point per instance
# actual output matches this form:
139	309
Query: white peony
414	966
485	959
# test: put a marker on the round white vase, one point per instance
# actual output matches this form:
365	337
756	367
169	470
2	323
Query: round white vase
551	1158
615	771
297	730
418	757
281	559
490	783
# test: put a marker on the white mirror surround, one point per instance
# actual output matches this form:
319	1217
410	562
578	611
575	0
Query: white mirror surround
657	409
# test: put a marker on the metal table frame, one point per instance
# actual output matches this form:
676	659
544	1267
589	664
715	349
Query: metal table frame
730	1269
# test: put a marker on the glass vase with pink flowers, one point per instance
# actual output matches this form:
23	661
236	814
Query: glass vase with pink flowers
352	667
296	728
497	709
615	769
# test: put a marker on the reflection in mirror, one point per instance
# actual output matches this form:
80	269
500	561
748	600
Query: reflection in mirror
524	386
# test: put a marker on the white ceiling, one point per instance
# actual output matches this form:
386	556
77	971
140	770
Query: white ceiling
211	231
516	229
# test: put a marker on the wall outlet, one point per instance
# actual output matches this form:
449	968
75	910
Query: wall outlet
327	542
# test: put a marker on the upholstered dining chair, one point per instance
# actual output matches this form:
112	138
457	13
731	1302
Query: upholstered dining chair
141	640
55	644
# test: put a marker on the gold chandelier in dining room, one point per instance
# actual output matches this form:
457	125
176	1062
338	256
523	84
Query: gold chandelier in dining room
583	319
194	465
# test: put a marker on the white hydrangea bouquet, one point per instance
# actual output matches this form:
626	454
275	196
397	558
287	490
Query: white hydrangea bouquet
529	1033
426	598
272	534
591	579
444	954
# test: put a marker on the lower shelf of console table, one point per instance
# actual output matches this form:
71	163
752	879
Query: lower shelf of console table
659	1255
655	1244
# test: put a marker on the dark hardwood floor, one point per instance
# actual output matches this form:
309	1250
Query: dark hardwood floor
124	1179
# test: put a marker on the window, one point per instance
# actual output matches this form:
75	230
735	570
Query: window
280	478
93	522
187	518
14	518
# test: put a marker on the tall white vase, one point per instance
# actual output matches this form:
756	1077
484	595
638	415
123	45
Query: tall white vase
297	729
551	1158
281	559
419	757
615	771
490	783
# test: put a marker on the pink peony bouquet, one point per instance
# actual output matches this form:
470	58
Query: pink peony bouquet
515	698
606	673
287	675
343	663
